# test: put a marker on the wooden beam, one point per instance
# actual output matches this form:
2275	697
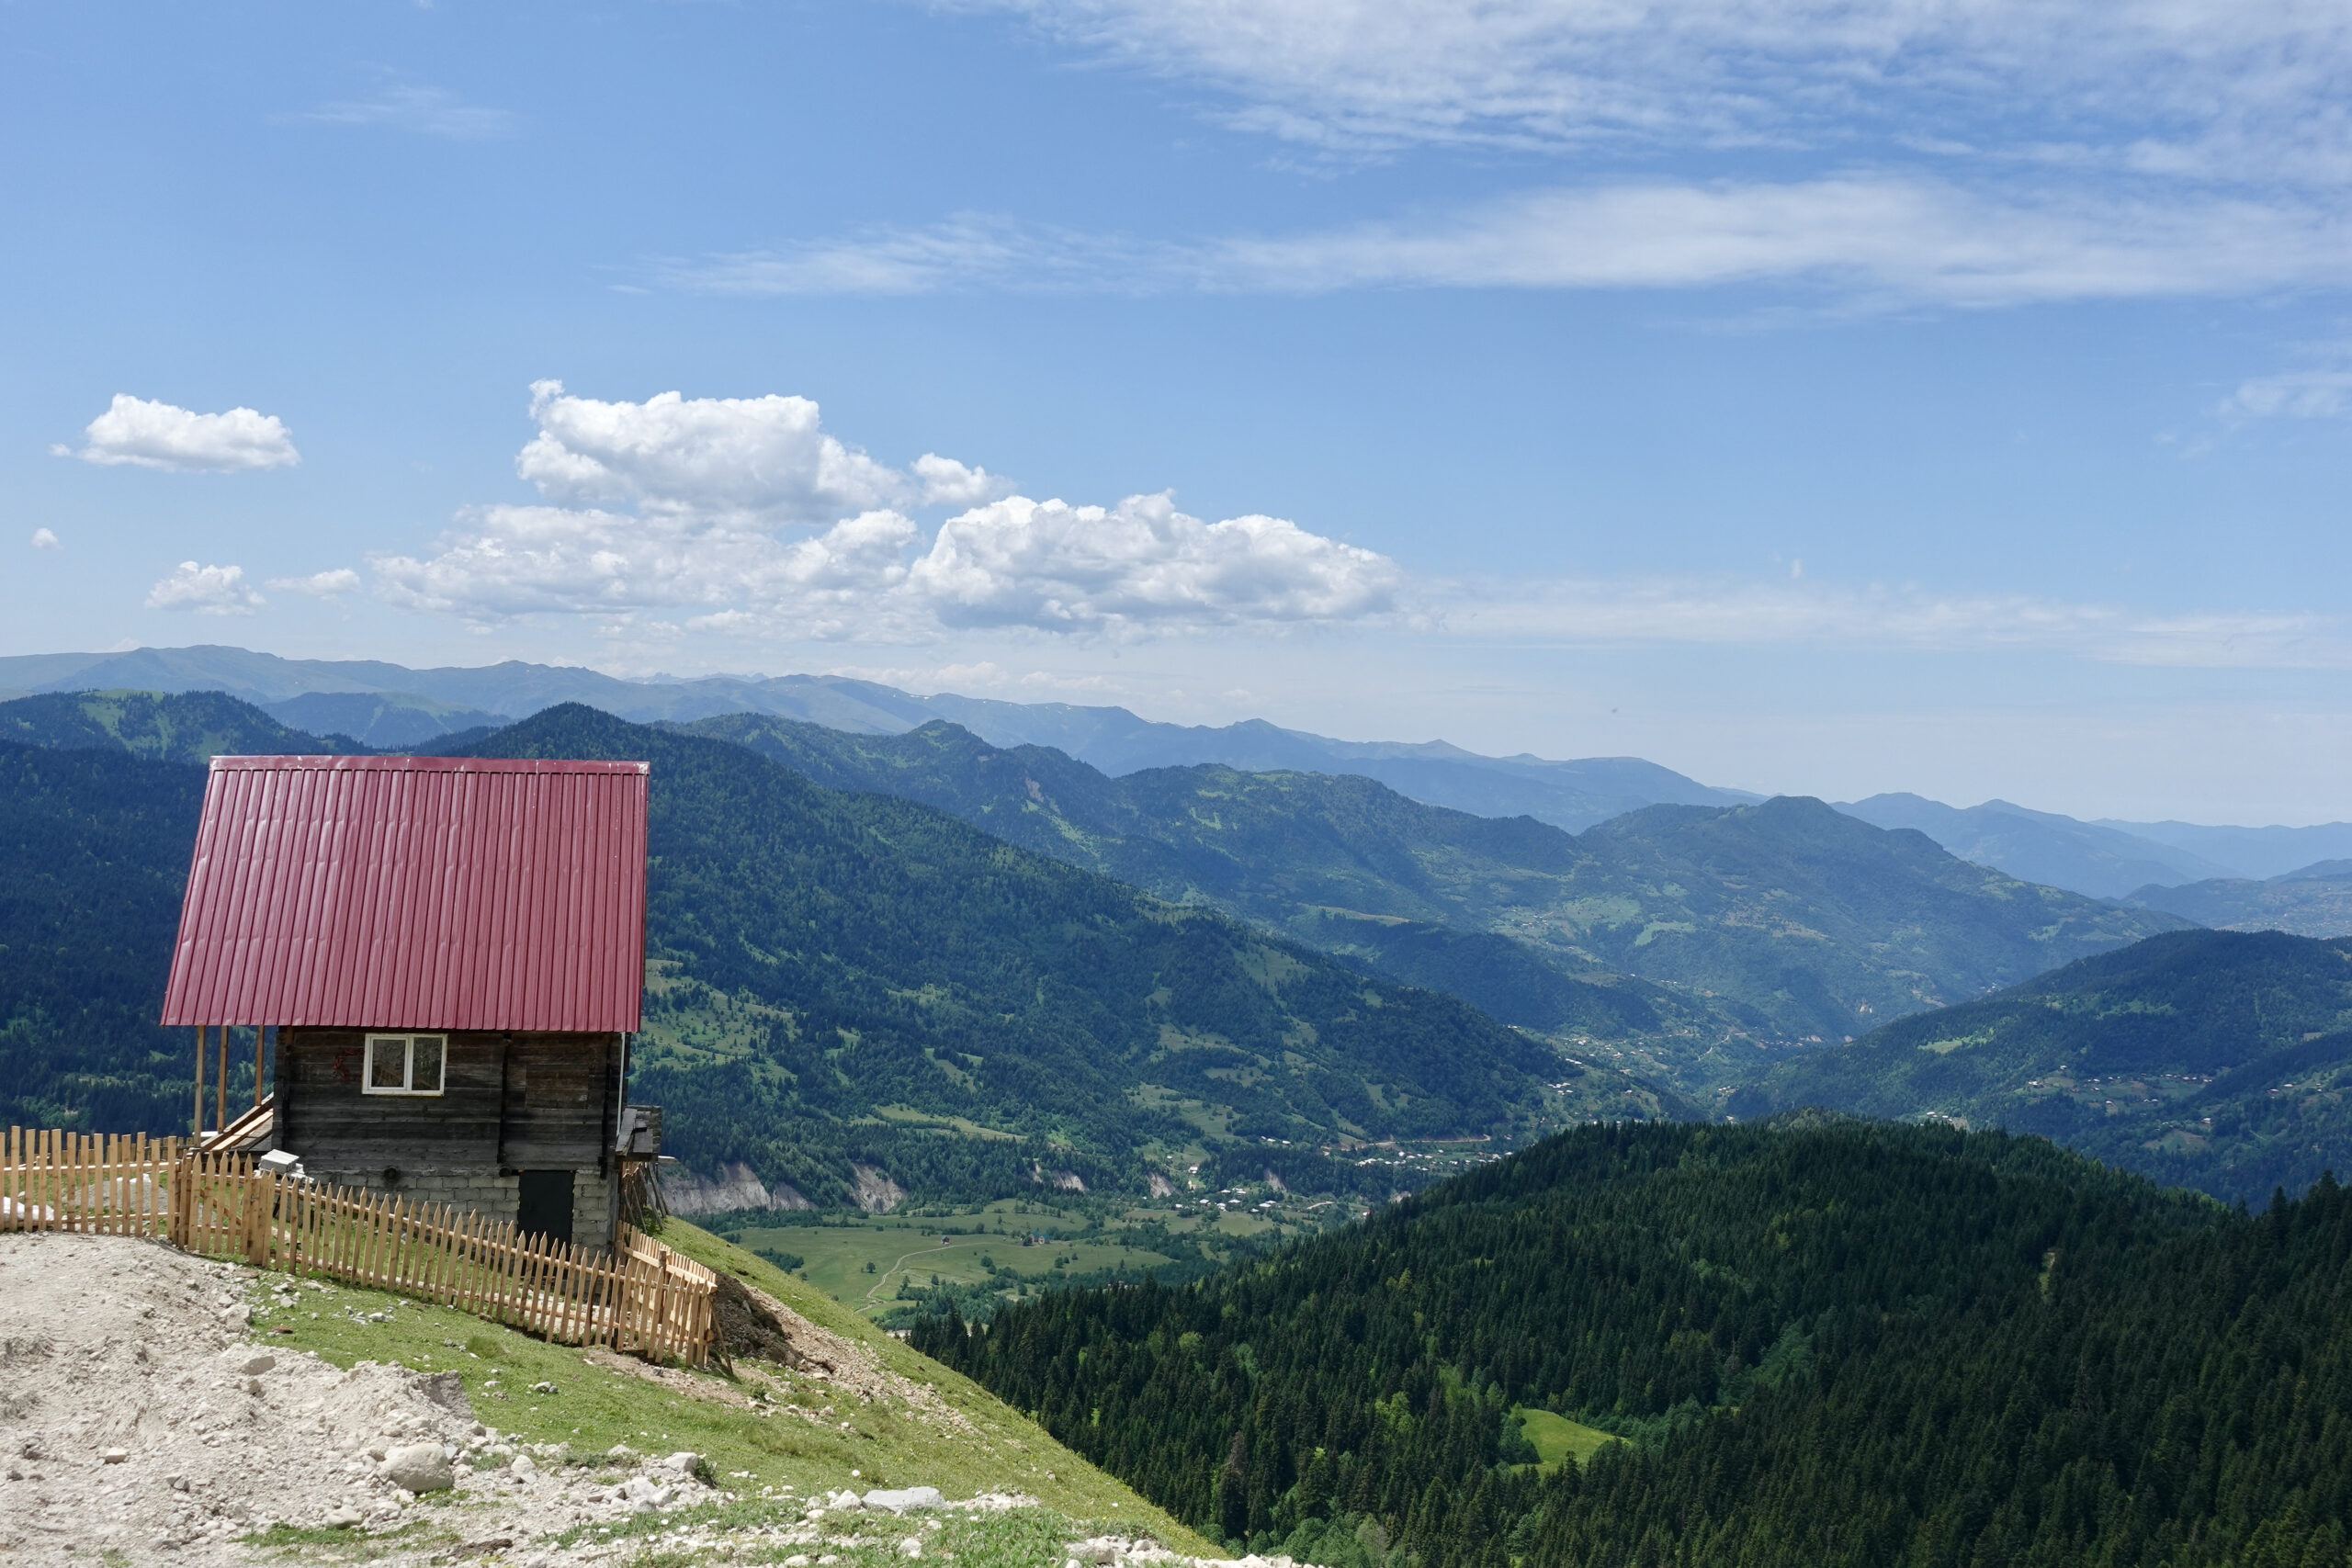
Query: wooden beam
196	1123
221	1089
257	1067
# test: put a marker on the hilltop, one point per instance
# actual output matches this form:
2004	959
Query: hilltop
2218	1060
563	1455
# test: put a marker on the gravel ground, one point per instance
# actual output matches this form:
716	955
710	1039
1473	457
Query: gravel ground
141	1423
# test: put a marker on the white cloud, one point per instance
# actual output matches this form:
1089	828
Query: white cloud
427	111
207	589
753	459
2298	394
717	486
2254	86
1891	237
318	584
159	436
46	539
1141	563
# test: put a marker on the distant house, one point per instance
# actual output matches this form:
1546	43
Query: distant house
449	956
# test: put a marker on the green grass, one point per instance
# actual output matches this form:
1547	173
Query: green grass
836	1255
595	1407
1024	1538
1558	1439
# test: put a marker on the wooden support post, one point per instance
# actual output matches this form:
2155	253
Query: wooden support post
221	1089
196	1125
257	1033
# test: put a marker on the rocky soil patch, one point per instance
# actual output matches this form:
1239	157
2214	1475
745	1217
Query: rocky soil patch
143	1423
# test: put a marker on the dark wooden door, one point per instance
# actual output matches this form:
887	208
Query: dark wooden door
545	1207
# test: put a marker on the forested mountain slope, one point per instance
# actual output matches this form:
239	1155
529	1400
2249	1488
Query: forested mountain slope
1784	921
94	850
2219	1060
839	981
185	727
1832	1344
860	979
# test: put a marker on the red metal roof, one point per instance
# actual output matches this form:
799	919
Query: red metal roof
414	893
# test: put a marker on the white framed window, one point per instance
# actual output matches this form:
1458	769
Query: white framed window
405	1063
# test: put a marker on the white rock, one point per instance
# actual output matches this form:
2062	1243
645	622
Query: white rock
342	1516
521	1467
645	1494
904	1498
911	1547
682	1462
113	1456
419	1467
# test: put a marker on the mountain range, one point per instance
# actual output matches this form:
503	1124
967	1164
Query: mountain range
851	996
1772	924
391	705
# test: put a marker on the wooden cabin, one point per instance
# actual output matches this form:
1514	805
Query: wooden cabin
447	955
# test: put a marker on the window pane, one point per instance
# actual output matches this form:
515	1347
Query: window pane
424	1056
387	1062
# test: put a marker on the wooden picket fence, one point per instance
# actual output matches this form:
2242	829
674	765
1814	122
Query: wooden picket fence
641	1296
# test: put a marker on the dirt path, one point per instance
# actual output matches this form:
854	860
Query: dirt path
900	1265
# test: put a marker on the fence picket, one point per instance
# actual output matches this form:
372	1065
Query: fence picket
641	1296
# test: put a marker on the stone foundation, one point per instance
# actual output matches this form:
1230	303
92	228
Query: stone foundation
595	1196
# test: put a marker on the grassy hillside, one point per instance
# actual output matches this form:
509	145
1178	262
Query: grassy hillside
2219	1060
1782	922
1828	1344
748	1425
188	726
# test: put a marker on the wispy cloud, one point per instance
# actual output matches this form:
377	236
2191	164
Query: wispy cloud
2294	394
1887	237
2254	89
1763	613
422	111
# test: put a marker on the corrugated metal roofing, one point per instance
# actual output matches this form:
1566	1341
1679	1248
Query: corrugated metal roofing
414	893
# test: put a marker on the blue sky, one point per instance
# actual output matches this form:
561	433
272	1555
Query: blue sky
1820	397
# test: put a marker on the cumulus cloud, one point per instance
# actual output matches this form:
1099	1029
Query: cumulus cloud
207	589
744	517
751	459
318	584
45	539
1023	562
162	436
